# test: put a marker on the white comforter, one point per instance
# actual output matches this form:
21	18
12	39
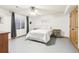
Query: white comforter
39	35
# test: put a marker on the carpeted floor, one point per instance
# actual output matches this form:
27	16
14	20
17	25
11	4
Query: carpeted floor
55	45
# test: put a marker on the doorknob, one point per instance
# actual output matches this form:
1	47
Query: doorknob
72	29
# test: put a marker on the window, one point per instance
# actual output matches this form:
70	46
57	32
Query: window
20	21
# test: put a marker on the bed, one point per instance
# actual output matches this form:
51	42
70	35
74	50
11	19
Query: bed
41	35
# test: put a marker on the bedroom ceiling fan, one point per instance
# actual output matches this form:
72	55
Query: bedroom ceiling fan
32	11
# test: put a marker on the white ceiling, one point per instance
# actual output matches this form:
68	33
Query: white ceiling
42	9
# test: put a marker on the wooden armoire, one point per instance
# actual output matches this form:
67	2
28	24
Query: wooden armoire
74	26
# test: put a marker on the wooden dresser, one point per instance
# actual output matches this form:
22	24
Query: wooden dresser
3	42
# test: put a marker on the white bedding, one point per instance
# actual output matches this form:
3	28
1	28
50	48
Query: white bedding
40	35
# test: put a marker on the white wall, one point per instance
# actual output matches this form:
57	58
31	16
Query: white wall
59	21
78	26
6	21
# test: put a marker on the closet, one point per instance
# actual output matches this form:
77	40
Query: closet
74	26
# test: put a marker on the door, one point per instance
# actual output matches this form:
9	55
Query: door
74	27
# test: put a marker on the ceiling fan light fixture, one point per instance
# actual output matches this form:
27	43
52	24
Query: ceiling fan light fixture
33	11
